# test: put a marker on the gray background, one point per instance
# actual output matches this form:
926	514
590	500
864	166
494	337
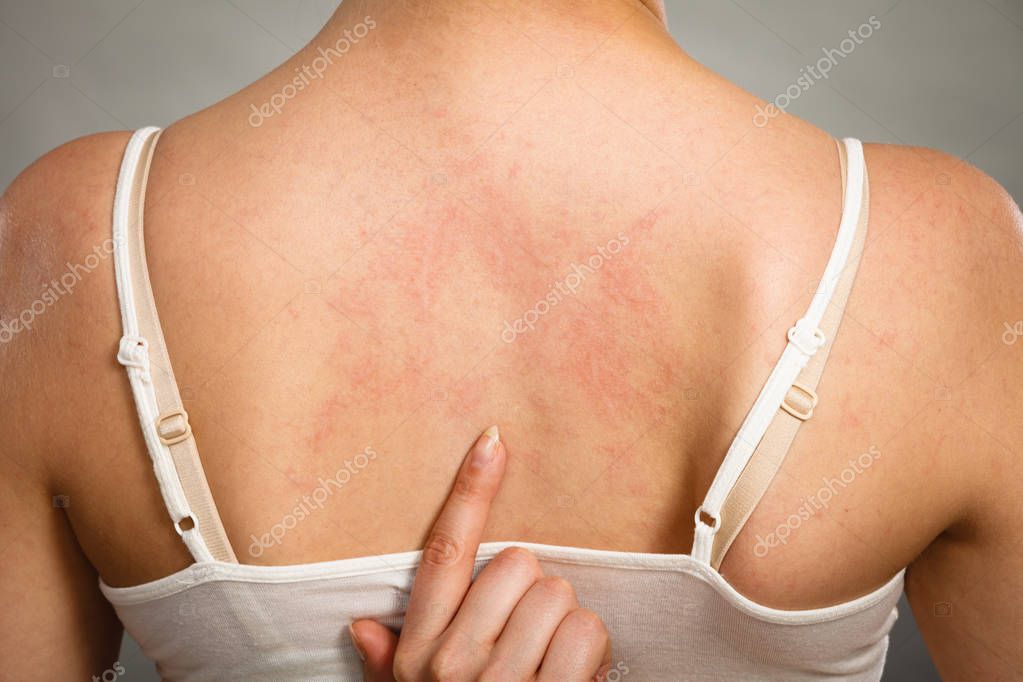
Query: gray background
939	73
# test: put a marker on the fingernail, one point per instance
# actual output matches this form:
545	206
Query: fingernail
602	673
493	434
486	447
356	643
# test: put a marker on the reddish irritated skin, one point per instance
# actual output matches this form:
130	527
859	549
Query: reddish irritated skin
628	286
535	231
326	421
436	255
591	397
578	348
360	377
601	374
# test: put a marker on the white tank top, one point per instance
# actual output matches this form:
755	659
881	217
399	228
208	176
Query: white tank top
671	617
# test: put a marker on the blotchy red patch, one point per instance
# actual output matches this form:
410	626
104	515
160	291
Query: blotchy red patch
595	362
529	458
325	420
361	376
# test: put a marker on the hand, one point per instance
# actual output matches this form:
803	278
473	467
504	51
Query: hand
512	623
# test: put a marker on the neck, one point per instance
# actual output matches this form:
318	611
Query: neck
528	15
656	9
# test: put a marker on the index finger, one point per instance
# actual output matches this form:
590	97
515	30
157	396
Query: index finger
445	570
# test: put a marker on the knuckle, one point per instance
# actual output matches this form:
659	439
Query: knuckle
588	625
404	668
498	671
448	664
556	588
468	487
441	549
518	560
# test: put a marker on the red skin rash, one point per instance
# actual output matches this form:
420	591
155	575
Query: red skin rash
625	289
499	200
326	421
437	252
361	374
436	261
529	458
603	367
467	397
447	284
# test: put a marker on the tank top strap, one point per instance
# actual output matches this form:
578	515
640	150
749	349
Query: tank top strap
143	352
790	395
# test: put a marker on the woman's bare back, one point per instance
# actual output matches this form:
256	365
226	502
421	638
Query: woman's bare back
587	241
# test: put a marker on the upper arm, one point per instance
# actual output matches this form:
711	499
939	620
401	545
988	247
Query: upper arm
966	588
56	623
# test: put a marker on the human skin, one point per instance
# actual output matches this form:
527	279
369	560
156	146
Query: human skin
509	623
340	277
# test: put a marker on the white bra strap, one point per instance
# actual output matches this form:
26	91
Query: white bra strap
778	396
798	406
143	353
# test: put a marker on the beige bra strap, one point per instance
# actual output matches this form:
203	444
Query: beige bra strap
171	424
800	402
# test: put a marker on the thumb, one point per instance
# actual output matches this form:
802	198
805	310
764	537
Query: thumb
376	645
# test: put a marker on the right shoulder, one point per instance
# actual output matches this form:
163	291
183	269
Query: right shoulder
946	243
942	286
947	257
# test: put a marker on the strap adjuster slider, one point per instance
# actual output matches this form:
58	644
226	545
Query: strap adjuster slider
173	427
803	409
